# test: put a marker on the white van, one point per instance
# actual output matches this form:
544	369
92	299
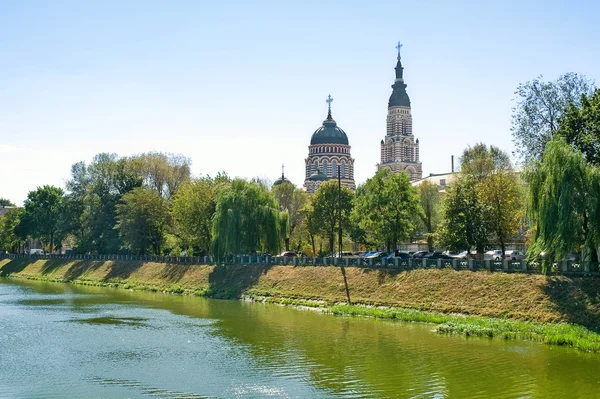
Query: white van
36	251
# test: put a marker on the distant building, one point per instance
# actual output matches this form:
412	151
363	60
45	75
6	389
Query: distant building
441	180
399	149
328	150
5	209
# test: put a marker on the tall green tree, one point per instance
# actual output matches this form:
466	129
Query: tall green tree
247	219
564	193
580	127
330	207
193	208
464	223
310	224
502	196
540	105
430	199
162	172
143	219
9	239
292	200
386	205
43	208
480	161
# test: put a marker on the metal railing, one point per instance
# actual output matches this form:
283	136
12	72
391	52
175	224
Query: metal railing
564	267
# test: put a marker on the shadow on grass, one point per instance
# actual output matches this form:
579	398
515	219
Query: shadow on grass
15	266
121	270
577	299
231	281
173	272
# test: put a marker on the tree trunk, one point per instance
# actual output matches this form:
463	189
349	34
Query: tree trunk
51	241
312	241
287	243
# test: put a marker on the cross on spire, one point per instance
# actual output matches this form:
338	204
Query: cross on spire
329	101
282	166
399	46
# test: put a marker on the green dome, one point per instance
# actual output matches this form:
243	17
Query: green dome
329	133
399	97
318	176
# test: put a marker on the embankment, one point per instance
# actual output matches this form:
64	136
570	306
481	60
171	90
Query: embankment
502	295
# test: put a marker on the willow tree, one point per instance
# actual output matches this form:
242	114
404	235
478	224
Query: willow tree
247	219
291	200
386	206
564	192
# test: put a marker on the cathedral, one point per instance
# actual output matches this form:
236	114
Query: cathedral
399	149
328	155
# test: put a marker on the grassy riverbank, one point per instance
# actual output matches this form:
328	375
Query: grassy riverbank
556	310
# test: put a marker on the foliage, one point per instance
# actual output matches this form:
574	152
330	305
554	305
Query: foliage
480	162
430	198
9	240
164	173
5	202
464	225
193	207
292	200
142	220
539	109
310	223
501	195
247	219
581	127
330	205
42	211
564	192
385	207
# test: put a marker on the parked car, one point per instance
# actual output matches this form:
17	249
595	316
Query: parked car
419	254
436	255
377	255
399	254
345	254
493	255
515	255
461	255
35	251
288	254
368	253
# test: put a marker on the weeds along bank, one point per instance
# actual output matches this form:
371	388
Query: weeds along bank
554	310
504	295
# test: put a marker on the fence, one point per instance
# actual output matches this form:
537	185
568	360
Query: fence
565	267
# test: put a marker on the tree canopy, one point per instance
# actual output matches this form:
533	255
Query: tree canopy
540	105
331	205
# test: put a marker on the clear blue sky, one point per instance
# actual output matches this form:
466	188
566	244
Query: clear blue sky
241	86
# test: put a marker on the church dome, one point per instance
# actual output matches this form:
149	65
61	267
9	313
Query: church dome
281	180
329	133
318	176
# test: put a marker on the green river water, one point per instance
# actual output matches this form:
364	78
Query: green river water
66	341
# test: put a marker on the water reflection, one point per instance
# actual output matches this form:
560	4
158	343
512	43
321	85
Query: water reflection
238	349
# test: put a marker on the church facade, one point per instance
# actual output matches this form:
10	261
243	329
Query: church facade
399	149
328	155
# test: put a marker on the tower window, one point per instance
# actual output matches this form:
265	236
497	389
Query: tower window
325	168
343	169
334	168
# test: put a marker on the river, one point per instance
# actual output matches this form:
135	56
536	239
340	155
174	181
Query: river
67	341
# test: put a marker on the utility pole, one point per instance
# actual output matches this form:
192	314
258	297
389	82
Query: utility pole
340	259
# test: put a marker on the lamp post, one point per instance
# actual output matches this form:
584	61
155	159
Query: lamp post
340	259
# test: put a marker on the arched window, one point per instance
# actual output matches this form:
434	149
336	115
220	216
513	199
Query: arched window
343	169
334	171
325	168
315	166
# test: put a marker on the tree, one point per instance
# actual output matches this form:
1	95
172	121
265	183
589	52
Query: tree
164	173
310	224
5	202
9	239
385	206
539	109
480	162
464	225
247	219
42	212
193	207
430	198
143	219
501	195
330	205
580	127
564	192
292	200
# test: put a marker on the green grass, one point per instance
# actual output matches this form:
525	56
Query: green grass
563	334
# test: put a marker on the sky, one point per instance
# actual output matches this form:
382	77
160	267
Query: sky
241	86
